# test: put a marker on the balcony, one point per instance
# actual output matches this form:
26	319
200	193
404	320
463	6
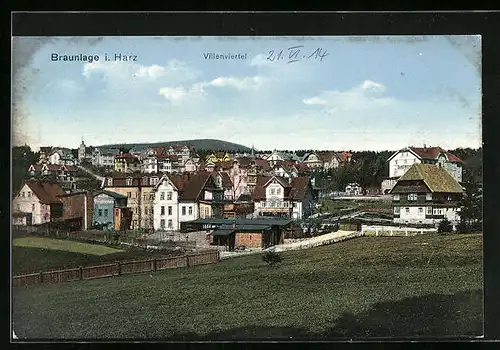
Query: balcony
277	206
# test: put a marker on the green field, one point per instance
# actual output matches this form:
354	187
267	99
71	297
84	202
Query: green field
427	285
35	254
334	206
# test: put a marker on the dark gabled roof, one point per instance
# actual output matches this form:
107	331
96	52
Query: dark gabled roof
299	188
223	232
226	180
244	197
194	186
46	192
111	194
436	178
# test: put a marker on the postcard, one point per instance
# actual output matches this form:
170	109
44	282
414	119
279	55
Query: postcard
246	188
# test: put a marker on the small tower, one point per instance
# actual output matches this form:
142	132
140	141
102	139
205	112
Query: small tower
81	151
252	152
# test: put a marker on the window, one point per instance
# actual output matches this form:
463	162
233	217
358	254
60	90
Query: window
412	197
151	196
23	194
278	191
110	182
170	223
129	194
396	197
151	210
162	195
18	207
162	210
404	161
146	211
272	191
396	210
420	210
162	223
207	212
169	196
428	196
100	212
183	210
447	198
29	194
190	210
169	210
429	211
105	212
407	210
129	182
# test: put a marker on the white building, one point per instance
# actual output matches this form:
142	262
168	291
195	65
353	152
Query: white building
281	197
426	194
61	157
104	158
403	159
37	203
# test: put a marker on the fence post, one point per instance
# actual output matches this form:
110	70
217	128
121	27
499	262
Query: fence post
154	264
119	268
187	260
218	256
81	272
41	277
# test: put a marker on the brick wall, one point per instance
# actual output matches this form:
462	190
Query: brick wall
253	240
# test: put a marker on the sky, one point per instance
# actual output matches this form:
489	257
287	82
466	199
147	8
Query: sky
343	93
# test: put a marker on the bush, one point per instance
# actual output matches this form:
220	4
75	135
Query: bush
271	258
445	226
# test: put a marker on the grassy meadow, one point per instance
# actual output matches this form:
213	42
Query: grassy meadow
427	285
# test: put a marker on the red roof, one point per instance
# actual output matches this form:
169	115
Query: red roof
433	153
295	190
126	156
46	192
345	156
159	150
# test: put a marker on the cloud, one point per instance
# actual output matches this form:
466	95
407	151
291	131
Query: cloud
363	96
373	86
116	70
315	101
245	83
180	93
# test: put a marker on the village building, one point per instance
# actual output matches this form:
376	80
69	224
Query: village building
288	198
277	156
426	194
185	197
139	190
182	152
403	159
104	158
77	211
61	156
127	163
236	233
218	157
111	211
37	203
66	175
85	153
353	189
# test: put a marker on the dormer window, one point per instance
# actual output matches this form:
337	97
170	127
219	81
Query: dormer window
428	197
395	197
110	181
129	182
145	181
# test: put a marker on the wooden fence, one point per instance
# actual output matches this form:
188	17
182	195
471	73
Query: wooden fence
116	269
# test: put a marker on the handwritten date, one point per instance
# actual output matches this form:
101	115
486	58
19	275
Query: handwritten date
297	53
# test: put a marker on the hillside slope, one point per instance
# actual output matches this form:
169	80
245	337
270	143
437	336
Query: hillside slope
206	144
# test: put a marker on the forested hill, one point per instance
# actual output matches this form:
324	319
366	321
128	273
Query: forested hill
201	144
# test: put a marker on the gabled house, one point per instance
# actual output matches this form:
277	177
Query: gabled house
218	157
277	156
402	160
186	197
37	203
127	163
190	165
64	174
182	152
61	156
353	189
426	194
138	188
288	198
111	212
312	160
330	159
104	157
